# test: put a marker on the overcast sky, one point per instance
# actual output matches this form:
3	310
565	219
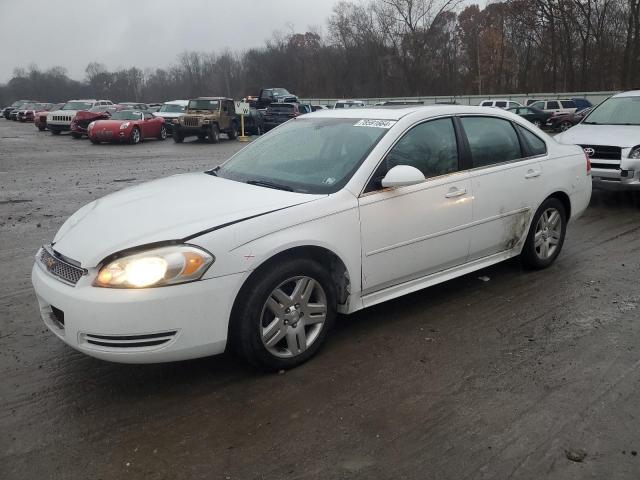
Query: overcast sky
142	33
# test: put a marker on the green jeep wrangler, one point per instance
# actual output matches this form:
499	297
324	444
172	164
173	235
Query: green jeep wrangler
206	118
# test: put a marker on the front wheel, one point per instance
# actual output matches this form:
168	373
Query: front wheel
55	132
233	133
135	136
214	134
546	235
283	316
177	136
41	128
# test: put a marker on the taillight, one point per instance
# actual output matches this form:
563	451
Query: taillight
588	163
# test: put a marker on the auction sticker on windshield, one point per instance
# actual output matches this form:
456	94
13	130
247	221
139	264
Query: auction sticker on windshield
375	123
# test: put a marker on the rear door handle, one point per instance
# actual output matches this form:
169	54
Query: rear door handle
455	192
532	173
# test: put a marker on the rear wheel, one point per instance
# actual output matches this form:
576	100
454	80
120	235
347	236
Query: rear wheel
546	235
55	132
283	316
135	136
214	134
564	126
163	133
233	133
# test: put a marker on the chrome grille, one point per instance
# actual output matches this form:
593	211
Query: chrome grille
603	152
62	118
60	269
191	121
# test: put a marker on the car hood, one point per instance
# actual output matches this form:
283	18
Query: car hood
112	123
71	113
615	135
171	208
168	114
86	115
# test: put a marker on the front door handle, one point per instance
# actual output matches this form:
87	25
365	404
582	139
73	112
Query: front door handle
455	192
533	173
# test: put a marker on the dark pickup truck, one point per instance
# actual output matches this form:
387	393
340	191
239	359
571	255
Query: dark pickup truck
274	95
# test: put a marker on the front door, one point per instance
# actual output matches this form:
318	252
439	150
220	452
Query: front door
413	231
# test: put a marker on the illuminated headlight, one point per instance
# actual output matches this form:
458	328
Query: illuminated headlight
154	268
124	125
635	152
91	125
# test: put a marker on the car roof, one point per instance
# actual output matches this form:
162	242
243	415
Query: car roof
630	93
177	102
385	113
212	98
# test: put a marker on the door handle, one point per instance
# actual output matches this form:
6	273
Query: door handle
455	192
532	173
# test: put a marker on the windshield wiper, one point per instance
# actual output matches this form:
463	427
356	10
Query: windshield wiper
277	186
213	171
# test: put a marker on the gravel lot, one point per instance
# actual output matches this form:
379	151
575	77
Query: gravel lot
472	379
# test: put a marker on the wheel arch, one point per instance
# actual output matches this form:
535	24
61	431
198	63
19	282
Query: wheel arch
564	199
337	268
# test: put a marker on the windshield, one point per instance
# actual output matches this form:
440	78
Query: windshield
616	111
126	115
308	155
77	106
171	108
204	104
280	92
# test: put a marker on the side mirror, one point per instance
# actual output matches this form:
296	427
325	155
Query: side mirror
402	175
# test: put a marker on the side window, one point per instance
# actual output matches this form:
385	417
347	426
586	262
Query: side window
568	104
147	116
553	105
430	147
539	105
536	144
486	104
501	104
491	140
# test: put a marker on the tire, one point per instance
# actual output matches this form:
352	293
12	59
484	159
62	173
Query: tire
214	134
546	235
537	123
135	137
177	136
41	128
233	133
163	133
564	126
55	132
201	137
94	141
76	135
270	342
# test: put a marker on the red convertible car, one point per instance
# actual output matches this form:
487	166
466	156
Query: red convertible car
127	126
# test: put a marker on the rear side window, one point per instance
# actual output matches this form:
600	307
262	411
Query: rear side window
568	104
491	140
501	104
486	104
553	105
536	144
430	147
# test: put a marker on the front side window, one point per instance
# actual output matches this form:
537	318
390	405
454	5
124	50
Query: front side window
538	105
491	140
568	104
430	147
306	154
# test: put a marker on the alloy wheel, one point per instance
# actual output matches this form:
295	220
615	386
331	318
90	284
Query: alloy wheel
293	316
548	233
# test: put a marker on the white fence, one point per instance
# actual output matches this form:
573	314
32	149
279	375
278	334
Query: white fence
593	97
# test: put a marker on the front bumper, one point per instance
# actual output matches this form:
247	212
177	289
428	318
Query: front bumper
138	325
617	180
59	127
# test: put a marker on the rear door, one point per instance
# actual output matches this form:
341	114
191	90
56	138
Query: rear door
506	180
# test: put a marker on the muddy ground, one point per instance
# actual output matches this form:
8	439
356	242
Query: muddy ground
472	379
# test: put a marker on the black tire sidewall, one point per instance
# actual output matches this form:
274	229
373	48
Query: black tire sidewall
245	334
529	257
214	134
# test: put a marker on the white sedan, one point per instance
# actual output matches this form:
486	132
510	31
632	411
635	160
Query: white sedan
329	213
